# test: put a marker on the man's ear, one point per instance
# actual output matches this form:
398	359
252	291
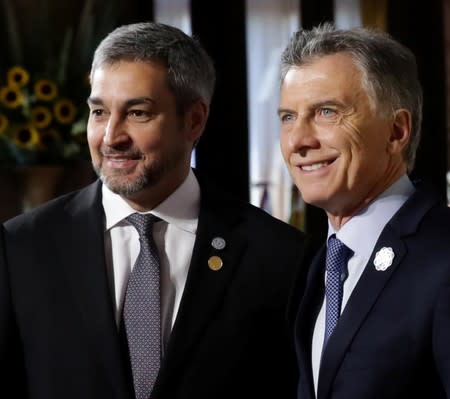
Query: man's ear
195	119
400	130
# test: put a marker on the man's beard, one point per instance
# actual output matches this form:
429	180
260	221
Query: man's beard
129	187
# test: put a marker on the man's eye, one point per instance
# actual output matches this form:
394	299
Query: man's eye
287	118
327	112
97	112
139	114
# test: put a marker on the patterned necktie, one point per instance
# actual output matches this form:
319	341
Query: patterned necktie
336	264
141	309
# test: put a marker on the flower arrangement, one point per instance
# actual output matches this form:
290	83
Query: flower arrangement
44	84
39	121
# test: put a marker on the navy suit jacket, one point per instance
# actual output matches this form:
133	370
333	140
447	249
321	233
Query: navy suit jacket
58	337
393	337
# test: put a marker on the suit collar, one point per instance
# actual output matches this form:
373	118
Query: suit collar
406	221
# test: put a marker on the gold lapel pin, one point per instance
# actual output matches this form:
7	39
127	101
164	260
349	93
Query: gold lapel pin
215	263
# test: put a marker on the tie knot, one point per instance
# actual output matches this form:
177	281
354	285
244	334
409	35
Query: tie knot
143	223
337	255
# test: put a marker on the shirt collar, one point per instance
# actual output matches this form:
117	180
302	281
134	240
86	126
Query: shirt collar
372	219
180	208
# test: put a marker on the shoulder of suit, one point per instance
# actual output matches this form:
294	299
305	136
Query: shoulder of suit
51	210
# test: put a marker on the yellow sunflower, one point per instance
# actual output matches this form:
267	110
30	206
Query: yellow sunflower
3	123
45	90
41	117
11	97
26	136
65	111
18	76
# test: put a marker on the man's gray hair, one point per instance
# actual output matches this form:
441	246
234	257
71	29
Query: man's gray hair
389	69
191	73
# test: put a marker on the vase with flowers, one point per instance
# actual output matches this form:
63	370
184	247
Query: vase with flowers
43	90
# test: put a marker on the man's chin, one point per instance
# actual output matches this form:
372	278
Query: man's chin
315	199
124	185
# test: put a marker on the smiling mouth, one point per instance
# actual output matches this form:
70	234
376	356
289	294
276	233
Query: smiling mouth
315	166
122	159
121	156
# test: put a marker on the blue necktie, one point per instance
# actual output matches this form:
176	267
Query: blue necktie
336	265
141	310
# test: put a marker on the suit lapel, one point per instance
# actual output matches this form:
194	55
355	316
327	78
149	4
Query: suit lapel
371	285
360	303
85	267
205	288
306	319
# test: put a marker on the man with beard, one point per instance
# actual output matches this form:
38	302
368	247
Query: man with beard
149	282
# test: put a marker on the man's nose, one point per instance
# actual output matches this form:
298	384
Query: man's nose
302	135
115	131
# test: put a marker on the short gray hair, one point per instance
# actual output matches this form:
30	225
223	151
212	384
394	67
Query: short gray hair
191	73
389	69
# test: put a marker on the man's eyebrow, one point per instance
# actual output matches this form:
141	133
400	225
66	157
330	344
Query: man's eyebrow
282	110
128	103
94	100
330	101
315	105
139	100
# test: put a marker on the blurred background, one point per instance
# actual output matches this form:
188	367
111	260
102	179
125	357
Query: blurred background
45	52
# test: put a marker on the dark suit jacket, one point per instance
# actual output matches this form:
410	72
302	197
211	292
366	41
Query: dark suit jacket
58	338
393	337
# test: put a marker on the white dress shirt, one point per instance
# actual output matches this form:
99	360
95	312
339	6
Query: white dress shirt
360	234
174	237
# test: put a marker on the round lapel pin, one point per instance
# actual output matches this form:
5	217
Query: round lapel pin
215	263
383	258
218	243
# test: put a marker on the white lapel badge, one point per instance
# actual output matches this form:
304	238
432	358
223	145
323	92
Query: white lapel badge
383	259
